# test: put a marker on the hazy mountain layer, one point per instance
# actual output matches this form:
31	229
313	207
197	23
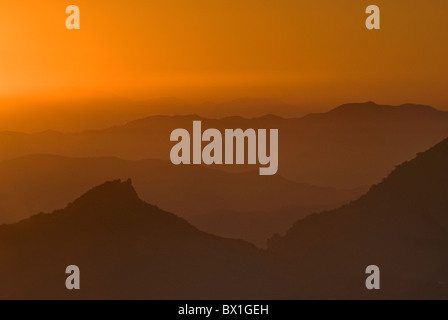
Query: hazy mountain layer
350	146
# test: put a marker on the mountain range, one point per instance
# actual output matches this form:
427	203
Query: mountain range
206	197
127	248
350	146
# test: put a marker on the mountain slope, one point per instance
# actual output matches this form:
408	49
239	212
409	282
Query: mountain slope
126	249
401	225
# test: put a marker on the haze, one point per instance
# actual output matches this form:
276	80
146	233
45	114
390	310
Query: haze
314	55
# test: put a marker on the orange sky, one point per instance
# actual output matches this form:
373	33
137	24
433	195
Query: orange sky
311	52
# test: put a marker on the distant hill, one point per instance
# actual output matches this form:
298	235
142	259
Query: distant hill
43	183
127	249
350	146
401	225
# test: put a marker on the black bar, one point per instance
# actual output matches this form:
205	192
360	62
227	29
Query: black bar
232	309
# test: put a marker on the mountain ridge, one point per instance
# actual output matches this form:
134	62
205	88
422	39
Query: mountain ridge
372	106
126	249
337	149
37	183
400	224
346	107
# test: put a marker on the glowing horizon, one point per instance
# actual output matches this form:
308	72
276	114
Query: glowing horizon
305	52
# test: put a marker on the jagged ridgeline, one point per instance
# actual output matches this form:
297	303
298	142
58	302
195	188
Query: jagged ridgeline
401	225
127	248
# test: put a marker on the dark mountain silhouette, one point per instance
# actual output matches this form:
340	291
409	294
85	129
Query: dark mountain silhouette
350	146
43	183
400	225
127	249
